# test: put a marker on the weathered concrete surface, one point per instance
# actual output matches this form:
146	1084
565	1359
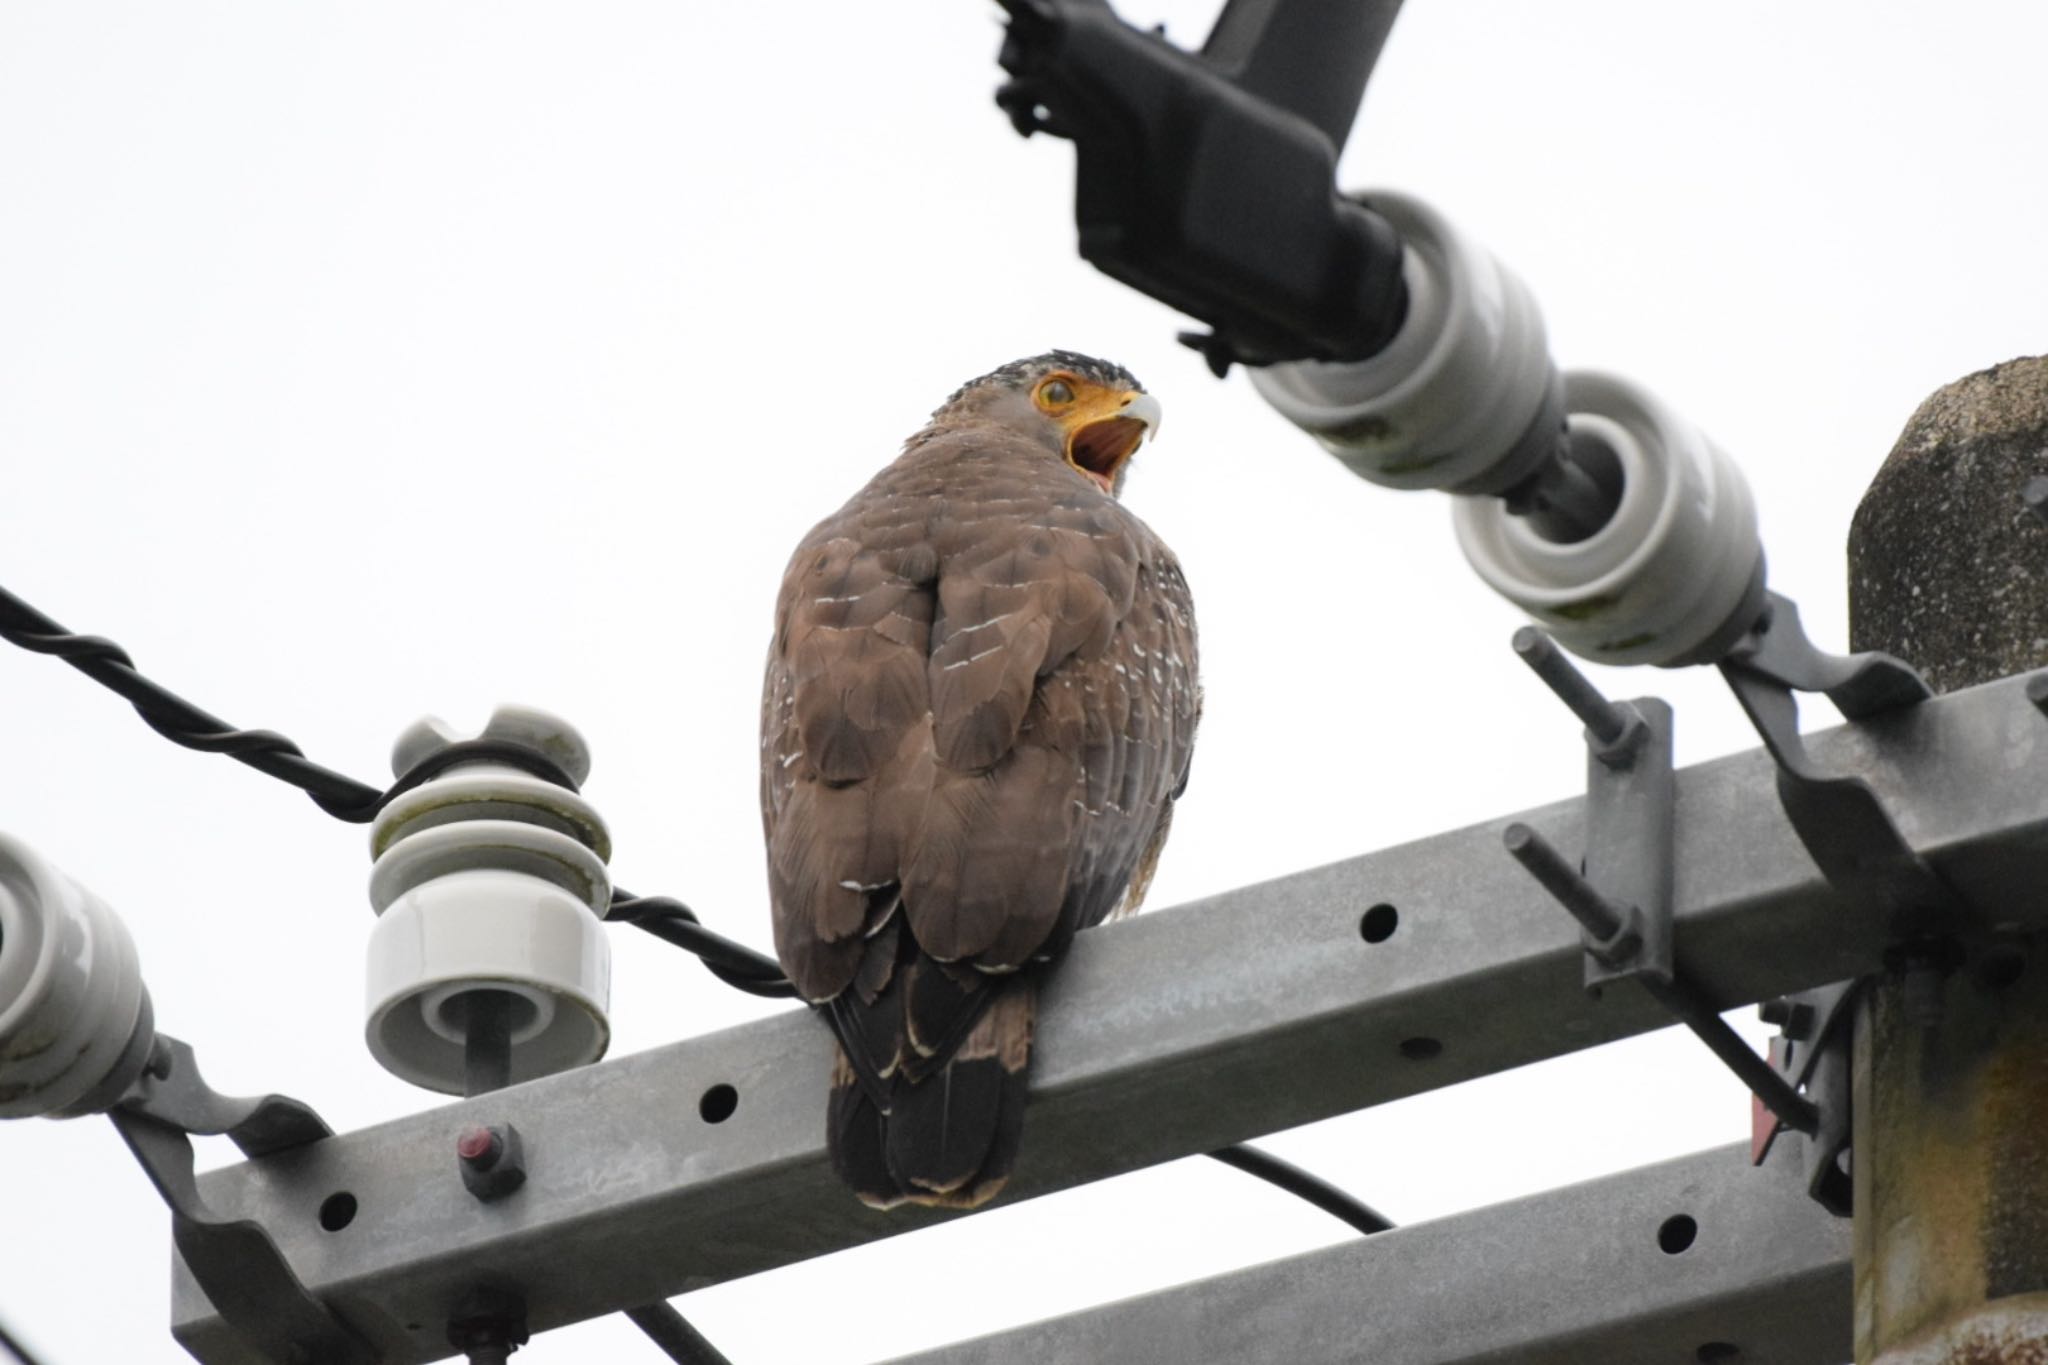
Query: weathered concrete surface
1949	569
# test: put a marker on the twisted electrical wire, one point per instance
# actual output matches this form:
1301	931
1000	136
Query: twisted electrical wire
669	920
178	720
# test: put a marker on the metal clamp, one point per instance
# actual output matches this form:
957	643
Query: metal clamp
1838	816
1812	1052
1630	818
1630	811
234	1260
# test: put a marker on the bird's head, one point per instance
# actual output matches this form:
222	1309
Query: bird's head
1094	413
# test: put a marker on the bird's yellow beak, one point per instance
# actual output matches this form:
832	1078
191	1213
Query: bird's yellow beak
1104	428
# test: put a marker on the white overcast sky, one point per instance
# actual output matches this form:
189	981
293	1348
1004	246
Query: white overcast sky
360	361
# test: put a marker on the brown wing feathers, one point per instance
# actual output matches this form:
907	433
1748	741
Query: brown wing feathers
979	703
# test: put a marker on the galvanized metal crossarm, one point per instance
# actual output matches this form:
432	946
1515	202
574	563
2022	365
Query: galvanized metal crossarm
1168	1035
1697	1259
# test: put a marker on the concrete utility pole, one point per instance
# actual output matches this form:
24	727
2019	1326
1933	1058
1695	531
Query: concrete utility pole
1948	568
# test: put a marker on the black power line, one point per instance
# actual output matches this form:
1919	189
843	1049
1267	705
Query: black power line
672	1332
1301	1184
12	1345
178	720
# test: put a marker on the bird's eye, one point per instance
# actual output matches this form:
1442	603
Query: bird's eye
1055	393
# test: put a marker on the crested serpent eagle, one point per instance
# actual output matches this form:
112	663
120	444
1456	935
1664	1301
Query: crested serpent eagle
980	705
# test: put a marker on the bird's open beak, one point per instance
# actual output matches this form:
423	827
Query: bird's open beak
1110	433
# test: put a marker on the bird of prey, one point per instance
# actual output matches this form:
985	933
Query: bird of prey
979	708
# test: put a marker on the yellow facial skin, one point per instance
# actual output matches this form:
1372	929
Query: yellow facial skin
1103	426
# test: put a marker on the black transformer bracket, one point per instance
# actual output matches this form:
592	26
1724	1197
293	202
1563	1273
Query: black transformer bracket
1208	181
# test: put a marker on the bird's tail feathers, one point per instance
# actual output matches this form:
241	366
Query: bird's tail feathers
949	1138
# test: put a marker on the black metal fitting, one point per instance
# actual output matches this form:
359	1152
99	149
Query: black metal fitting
1209	181
1923	966
1811	1052
491	1159
487	1324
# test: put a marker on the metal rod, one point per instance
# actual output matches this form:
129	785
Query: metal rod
486	1041
1765	1081
1595	913
671	1331
1563	503
1598	916
1540	652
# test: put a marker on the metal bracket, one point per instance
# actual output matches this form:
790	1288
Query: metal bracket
1630	821
1851	838
1837	816
1812	1052
234	1261
1630	813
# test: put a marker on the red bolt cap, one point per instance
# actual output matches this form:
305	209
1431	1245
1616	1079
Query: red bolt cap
478	1146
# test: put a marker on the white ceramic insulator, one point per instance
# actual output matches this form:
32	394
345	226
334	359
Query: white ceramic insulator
489	878
71	996
1670	567
1452	394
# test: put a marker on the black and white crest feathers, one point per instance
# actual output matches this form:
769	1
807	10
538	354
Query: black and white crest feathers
1022	374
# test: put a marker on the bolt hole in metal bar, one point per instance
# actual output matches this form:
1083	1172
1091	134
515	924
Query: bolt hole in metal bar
337	1211
1676	1234
718	1103
1378	924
